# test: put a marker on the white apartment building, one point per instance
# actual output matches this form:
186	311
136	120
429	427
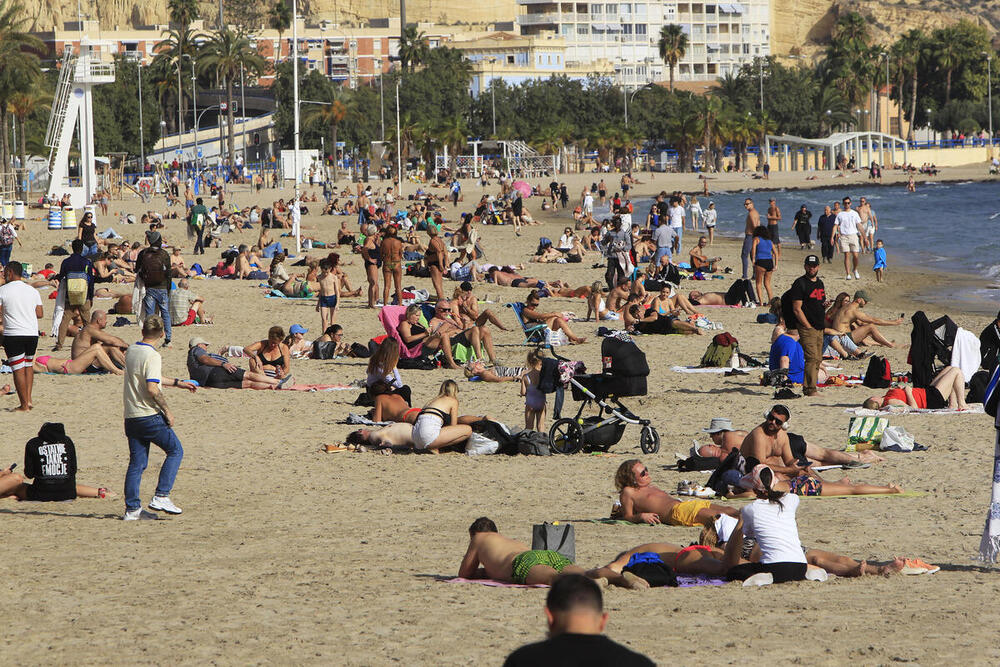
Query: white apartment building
721	36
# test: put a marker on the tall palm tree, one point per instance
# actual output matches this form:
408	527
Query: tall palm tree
413	47
227	53
22	105
182	12
672	45
279	18
408	130
178	44
948	54
330	115
904	58
19	68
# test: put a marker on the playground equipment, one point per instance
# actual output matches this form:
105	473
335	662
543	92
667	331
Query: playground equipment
72	110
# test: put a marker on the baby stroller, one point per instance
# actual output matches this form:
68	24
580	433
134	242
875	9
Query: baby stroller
625	371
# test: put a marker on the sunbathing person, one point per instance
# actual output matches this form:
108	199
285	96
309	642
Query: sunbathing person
465	308
554	321
437	425
476	335
91	360
394	408
270	356
504	559
694	559
768	444
477	370
947	390
725	439
290	285
638	320
415	336
504	278
641	502
215	371
597	306
699	298
95	332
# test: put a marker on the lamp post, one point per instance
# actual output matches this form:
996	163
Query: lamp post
194	101
931	129
295	97
493	94
142	147
989	93
381	97
399	148
885	54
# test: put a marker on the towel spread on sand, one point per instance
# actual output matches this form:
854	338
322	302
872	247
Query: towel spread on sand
698	369
683	581
491	582
277	294
354	418
319	387
973	409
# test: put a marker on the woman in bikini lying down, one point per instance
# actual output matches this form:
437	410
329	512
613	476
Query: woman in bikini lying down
94	359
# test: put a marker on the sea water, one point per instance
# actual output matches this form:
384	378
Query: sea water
954	227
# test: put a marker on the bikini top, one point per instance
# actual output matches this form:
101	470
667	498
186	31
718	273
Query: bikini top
437	412
280	361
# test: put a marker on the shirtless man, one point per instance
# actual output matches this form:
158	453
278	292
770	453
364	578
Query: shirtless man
773	220
94	333
508	560
869	225
508	278
699	262
854	326
618	296
695	559
752	222
436	259
768	444
449	324
725	439
641	502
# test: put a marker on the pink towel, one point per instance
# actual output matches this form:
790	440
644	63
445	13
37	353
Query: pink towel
391	317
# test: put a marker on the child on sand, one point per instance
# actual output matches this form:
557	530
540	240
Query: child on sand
534	399
879	255
329	294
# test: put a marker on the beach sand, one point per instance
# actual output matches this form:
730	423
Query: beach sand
285	554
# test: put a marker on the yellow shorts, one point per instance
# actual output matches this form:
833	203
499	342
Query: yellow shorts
686	513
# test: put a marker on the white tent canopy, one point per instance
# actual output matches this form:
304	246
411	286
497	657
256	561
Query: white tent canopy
863	146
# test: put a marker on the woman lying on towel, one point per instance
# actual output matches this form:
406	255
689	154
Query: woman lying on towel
92	360
947	390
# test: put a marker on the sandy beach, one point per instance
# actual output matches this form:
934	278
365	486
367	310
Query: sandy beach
285	554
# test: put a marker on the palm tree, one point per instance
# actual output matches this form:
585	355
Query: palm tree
227	53
407	136
413	47
711	109
904	57
178	44
948	54
23	105
19	69
453	133
744	129
683	132
673	45
280	19
330	115
182	12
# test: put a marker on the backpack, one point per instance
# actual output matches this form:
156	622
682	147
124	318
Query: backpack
197	220
533	443
977	387
151	267
720	351
77	286
6	234
878	375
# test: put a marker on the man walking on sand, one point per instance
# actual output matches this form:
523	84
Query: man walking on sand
848	229
808	314
149	420
752	222
21	308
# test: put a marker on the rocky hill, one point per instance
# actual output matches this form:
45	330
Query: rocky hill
798	26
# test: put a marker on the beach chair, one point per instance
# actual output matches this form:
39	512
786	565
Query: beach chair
390	317
534	334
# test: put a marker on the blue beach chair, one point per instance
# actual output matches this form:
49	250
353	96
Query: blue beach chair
534	334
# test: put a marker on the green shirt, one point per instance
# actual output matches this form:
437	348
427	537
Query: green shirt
198	215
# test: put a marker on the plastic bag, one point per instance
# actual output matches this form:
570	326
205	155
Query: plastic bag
896	439
479	444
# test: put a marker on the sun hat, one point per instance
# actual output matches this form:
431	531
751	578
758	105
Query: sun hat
197	340
719	424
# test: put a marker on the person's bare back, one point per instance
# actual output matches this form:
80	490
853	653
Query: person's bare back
495	553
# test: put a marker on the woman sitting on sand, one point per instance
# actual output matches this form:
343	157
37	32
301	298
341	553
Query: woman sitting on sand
92	360
289	285
383	374
437	425
271	356
947	390
597	305
554	321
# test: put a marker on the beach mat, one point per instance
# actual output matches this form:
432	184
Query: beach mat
696	580
698	369
277	294
683	581
974	409
319	387
491	582
904	494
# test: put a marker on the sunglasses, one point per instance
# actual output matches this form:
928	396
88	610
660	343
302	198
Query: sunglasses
776	420
643	473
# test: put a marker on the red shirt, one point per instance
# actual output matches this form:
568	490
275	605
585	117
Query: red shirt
919	396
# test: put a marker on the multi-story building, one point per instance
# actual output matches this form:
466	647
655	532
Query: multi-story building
721	36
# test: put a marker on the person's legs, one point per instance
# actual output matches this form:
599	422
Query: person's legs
846	488
847	256
488	316
386	284
95	355
854	255
758	279
136	430
865	330
812	346
699	561
450	435
11	484
397	281
827	456
164	437
486	340
436	281
372	274
543	574
950	383
767	286
745	255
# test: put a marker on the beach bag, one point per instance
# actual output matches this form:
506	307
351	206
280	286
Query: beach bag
696	463
554	537
992	395
360	351
498	433
151	267
651	568
866	430
556	338
879	374
76	288
323	350
533	443
478	444
977	387
896	439
720	351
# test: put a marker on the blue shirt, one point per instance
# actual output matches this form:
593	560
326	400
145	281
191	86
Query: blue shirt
786	346
764	247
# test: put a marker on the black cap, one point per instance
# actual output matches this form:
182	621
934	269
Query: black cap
811	260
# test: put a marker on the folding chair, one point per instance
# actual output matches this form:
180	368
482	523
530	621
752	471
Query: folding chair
534	334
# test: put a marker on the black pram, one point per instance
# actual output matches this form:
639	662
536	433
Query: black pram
625	372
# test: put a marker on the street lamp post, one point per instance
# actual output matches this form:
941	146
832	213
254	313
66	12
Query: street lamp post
884	54
295	96
399	148
989	94
381	97
142	147
194	101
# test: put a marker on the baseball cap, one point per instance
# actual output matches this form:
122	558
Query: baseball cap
197	340
297	328
811	260
862	294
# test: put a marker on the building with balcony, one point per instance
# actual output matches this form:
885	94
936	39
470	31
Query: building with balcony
721	36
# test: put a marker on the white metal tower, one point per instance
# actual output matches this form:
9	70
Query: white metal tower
72	108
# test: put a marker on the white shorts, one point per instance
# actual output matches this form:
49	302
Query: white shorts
849	243
426	430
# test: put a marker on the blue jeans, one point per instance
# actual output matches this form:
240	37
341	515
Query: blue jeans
157	302
5	254
140	432
660	252
90	250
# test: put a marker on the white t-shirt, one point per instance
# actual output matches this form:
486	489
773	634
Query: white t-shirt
142	365
18	300
773	526
566	241
849	221
677	216
664	236
710	216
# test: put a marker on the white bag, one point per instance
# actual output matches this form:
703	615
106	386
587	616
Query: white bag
896	439
556	338
480	444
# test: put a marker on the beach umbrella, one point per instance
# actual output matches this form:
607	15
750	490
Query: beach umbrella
522	187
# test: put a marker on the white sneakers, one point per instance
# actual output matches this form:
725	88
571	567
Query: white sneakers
139	514
857	276
848	276
164	504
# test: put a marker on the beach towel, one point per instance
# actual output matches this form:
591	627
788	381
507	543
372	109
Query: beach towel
698	369
973	409
491	582
319	387
695	580
989	546
278	294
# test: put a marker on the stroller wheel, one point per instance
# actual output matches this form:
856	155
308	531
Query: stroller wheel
649	440
566	436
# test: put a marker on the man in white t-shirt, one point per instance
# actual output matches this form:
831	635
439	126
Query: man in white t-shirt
21	307
847	230
677	221
664	236
148	420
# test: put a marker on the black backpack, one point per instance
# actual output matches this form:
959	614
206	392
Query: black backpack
152	268
878	375
497	433
533	443
977	387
